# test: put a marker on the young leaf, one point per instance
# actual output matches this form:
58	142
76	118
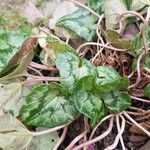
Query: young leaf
58	46
72	68
117	101
107	79
114	38
13	134
10	94
111	12
147	90
96	5
44	142
48	106
81	22
88	101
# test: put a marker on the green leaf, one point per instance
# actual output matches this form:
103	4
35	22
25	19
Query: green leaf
72	69
13	134
113	9
81	22
10	94
136	44
147	90
128	3
96	5
124	83
44	142
11	42
88	101
117	101
58	46
18	70
107	79
48	106
115	40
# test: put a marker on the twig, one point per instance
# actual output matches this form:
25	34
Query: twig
118	135
137	124
126	15
61	138
79	137
104	119
99	44
143	32
118	128
140	99
97	138
138	72
48	131
42	67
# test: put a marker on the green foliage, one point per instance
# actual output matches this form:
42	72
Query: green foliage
96	5
72	68
48	106
82	22
107	79
114	38
88	101
147	90
117	101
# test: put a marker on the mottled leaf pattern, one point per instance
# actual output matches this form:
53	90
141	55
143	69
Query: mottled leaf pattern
96	5
48	106
117	101
11	42
107	79
81	22
72	68
88	101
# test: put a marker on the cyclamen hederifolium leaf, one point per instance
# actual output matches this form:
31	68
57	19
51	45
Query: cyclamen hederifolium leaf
96	5
117	101
44	142
10	44
107	78
13	134
82	22
72	68
9	96
88	101
48	106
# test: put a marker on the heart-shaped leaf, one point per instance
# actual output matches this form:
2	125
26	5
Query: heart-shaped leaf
48	106
82	22
88	101
117	101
